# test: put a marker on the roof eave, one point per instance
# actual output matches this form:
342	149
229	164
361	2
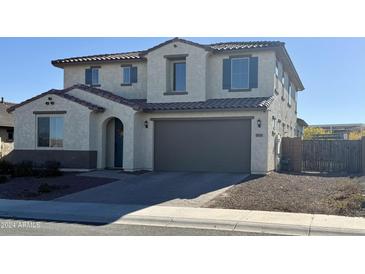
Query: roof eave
205	110
300	85
58	64
174	40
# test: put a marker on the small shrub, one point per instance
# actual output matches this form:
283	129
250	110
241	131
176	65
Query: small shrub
3	179
24	169
44	188
6	167
51	169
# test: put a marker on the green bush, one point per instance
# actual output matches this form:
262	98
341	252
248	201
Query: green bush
24	169
51	169
44	188
6	167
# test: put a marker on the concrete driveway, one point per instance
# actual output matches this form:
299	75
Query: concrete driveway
164	188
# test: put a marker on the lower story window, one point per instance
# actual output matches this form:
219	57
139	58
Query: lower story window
50	131
10	134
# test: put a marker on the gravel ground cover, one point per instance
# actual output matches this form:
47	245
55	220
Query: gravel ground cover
305	193
32	188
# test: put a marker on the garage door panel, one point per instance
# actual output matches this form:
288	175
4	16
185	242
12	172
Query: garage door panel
203	145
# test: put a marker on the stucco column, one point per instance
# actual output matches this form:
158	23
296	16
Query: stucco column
128	146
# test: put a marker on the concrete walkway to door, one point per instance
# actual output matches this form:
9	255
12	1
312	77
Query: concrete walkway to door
190	189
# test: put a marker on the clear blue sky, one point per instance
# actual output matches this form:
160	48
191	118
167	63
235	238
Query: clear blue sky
332	69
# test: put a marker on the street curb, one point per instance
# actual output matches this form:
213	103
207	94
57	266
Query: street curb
255	227
264	222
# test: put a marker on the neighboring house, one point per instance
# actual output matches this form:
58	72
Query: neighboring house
301	125
6	128
179	106
340	131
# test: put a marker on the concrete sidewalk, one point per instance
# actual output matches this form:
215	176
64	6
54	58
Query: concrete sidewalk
207	218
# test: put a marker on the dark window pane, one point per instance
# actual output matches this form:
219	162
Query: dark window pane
56	132
126	75
43	131
94	76
179	76
240	73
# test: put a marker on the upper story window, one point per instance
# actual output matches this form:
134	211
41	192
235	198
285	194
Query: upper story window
126	75
290	93
92	76
129	75
240	69
50	131
240	73
179	76
277	69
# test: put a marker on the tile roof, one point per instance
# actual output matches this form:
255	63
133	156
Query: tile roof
301	122
142	105
84	103
139	55
245	45
211	104
129	56
108	95
62	94
6	119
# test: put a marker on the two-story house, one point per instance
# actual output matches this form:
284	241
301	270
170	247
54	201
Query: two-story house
179	106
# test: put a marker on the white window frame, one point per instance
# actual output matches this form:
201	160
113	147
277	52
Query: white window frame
290	93
129	80
274	124
173	67
93	82
63	133
277	69
248	73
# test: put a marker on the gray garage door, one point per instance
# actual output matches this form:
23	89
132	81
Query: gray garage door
218	145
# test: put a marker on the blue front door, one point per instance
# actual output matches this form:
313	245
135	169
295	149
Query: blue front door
118	147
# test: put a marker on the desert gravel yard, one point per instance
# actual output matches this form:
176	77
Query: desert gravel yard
28	188
305	193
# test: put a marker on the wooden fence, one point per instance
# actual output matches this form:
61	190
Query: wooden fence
333	156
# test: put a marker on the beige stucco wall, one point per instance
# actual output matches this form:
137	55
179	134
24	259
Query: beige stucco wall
204	75
259	149
98	127
280	110
266	69
110	78
158	76
138	140
76	123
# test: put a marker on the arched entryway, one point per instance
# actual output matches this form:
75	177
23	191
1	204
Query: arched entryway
114	143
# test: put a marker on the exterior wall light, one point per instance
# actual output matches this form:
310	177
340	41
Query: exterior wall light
146	124
259	123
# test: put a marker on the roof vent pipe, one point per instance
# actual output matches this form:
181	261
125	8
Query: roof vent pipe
2	100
